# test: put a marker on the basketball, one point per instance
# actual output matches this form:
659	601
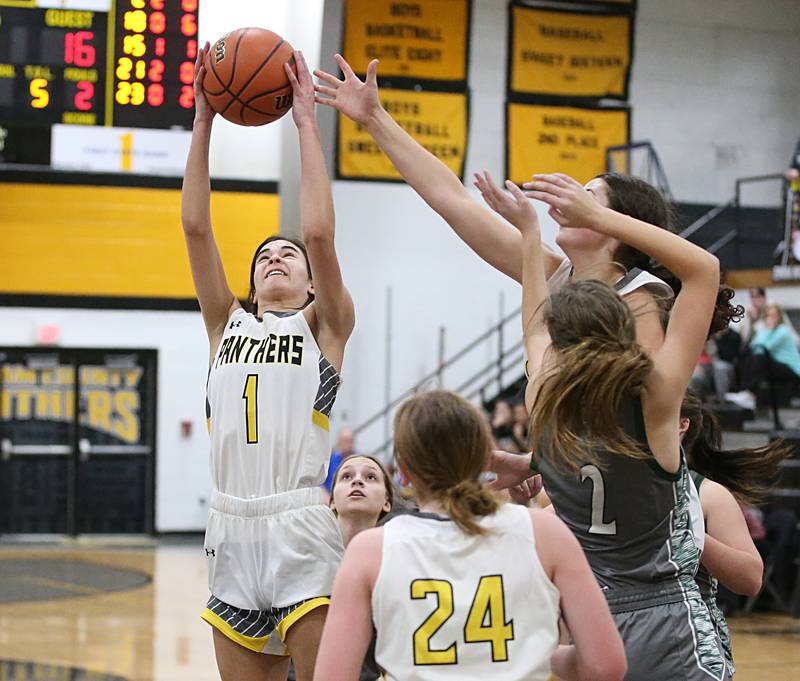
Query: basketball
245	82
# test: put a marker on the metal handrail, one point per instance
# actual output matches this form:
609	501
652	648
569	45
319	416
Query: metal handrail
494	329
476	392
703	220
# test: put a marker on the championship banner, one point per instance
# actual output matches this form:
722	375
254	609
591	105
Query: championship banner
437	120
563	139
422	40
570	54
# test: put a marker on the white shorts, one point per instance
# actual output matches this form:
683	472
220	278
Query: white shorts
271	552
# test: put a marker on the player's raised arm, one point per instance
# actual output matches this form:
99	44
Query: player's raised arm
333	307
490	237
213	293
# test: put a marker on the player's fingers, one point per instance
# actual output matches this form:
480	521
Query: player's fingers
327	77
372	72
516	192
344	66
557	215
290	75
325	101
331	92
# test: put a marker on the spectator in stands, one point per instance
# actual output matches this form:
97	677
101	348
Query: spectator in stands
503	425
345	446
774	357
753	320
520	427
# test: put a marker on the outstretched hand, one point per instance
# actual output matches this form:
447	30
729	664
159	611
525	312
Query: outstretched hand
514	470
202	109
302	90
512	205
570	204
356	99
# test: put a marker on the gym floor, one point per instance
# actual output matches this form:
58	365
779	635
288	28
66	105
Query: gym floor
110	611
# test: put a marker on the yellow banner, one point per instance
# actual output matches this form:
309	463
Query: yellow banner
437	120
425	39
570	54
562	139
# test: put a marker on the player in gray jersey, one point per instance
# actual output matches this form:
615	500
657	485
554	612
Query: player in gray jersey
729	555
603	416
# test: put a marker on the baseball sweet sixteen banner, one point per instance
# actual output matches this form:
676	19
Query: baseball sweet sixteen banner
566	139
570	53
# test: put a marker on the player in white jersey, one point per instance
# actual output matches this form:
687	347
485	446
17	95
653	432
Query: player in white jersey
469	587
272	544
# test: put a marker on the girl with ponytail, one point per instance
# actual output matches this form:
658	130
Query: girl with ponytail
603	414
725	479
468	581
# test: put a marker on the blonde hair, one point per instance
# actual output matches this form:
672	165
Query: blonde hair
444	442
598	364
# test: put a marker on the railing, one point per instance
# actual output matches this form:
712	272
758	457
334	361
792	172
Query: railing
492	375
735	203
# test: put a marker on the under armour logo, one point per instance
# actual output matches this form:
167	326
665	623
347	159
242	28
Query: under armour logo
235	324
210	552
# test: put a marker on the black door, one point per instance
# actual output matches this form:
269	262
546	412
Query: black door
37	432
77	433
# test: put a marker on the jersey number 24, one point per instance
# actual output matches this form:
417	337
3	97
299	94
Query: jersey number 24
486	621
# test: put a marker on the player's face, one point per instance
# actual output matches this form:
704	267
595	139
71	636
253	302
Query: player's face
281	269
578	238
360	488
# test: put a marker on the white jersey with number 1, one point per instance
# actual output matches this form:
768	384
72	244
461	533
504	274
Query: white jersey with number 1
270	392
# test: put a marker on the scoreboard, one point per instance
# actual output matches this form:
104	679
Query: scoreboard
122	63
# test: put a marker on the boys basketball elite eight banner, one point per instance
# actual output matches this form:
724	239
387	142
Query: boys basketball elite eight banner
423	50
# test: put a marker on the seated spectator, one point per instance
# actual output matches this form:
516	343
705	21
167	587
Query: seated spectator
520	427
345	446
503	425
774	357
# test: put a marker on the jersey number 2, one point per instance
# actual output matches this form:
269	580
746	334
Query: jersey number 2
598	501
488	605
250	397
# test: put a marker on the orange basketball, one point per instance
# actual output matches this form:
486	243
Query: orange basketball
245	81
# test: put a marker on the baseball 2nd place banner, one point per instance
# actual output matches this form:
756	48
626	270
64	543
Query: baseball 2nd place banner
422	40
570	54
564	139
437	120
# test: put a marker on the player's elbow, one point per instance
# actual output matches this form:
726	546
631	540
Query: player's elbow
751	579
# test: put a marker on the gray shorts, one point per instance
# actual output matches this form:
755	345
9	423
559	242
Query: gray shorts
668	634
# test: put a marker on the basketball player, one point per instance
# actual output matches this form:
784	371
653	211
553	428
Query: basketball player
272	543
603	415
724	479
361	494
467	588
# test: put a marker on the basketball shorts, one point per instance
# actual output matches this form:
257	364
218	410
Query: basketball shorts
263	631
668	634
275	555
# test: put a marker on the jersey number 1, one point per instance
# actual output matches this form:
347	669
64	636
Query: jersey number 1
250	397
486	621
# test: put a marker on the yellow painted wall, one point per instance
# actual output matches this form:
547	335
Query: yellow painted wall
119	241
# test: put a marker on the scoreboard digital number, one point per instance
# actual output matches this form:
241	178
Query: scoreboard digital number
129	66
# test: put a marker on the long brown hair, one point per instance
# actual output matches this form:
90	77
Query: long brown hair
387	480
444	442
633	196
748	474
598	363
